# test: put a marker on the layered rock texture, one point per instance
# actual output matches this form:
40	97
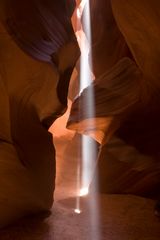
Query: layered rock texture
38	50
125	52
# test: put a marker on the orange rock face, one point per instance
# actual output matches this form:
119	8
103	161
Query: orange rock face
120	30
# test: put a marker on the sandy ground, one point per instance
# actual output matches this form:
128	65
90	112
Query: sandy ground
108	217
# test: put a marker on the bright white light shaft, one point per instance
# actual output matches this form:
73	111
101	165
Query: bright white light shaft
86	79
86	69
88	161
88	146
83	192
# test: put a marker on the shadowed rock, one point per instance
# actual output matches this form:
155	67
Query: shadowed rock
126	106
34	83
114	93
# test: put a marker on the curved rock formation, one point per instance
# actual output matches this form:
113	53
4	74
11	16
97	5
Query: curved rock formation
129	105
115	94
33	94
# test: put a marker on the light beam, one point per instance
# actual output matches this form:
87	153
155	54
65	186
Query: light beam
88	147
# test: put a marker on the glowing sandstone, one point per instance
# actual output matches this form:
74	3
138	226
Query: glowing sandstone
34	85
127	106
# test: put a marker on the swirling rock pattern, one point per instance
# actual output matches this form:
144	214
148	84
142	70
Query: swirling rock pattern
33	94
123	29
